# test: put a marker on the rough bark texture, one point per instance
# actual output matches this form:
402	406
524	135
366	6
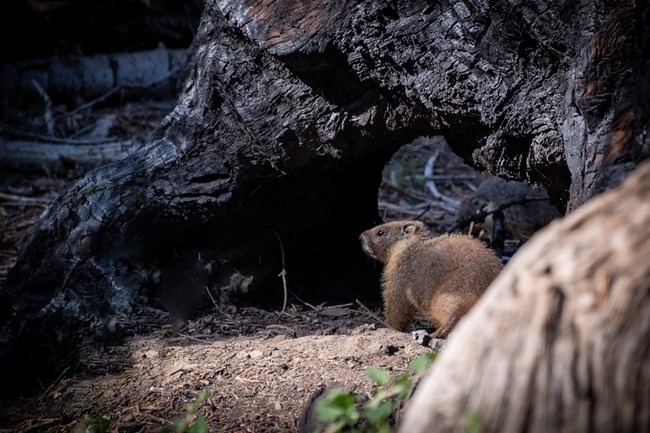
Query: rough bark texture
289	111
561	340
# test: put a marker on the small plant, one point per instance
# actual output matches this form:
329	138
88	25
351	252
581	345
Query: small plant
341	411
338	409
191	422
421	363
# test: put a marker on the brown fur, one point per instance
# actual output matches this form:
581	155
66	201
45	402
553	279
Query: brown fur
438	277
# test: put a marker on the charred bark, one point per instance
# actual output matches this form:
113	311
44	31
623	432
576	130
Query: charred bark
561	340
288	113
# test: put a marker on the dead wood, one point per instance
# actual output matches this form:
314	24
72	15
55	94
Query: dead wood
287	116
77	80
61	158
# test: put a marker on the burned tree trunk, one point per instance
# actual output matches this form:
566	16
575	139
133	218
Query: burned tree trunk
561	340
288	113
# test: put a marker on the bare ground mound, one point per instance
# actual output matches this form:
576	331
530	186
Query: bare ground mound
260	367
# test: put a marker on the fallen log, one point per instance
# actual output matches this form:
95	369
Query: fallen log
33	156
76	80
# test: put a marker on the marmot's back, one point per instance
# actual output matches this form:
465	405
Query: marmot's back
455	263
438	277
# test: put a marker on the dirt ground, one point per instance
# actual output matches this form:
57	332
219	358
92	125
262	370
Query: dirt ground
261	366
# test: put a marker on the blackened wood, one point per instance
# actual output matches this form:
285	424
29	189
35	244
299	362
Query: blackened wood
288	113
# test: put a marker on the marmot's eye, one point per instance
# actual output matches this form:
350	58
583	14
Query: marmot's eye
380	233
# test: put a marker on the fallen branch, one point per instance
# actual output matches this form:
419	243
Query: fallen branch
94	78
114	90
50	139
431	185
23	199
60	158
407	192
396	208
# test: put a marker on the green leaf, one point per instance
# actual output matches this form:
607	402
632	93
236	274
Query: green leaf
336	427
377	375
337	405
402	388
384	429
200	426
180	425
328	412
3	212
196	404
378	414
380	395
422	362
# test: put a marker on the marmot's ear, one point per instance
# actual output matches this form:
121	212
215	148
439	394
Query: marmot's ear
410	227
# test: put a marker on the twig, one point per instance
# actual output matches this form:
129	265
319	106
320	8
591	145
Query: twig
415	207
49	388
43	423
108	94
81	131
214	302
395	208
450	177
282	274
22	199
47	114
304	302
431	185
426	209
480	214
155	418
193	338
90	103
403	191
370	313
59	140
347	304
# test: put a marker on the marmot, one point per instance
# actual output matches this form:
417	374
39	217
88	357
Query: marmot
438	277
